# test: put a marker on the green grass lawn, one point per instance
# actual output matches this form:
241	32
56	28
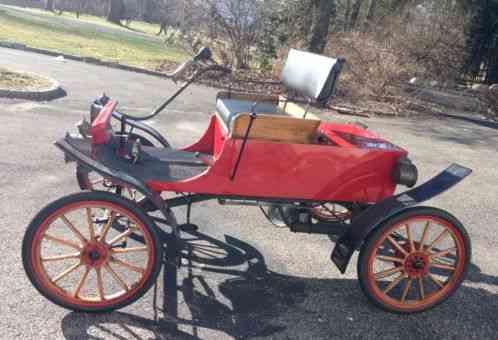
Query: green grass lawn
139	26
93	37
12	80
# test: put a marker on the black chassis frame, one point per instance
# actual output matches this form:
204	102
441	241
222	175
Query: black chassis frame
352	237
147	129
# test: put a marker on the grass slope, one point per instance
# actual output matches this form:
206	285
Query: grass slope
87	38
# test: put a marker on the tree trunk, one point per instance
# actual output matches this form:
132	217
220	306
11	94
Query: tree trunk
50	5
347	16
400	6
213	24
371	9
355	14
492	71
307	12
149	11
116	11
323	12
370	13
162	29
79	8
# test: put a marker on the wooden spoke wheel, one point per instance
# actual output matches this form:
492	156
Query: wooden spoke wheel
414	261
76	259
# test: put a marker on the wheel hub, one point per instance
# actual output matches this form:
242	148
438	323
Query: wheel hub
95	254
417	264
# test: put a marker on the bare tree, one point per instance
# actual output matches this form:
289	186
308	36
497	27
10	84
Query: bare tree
323	12
50	5
355	14
370	12
116	11
238	21
347	15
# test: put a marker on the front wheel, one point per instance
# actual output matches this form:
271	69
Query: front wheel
414	261
75	256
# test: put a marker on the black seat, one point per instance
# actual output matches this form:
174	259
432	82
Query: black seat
230	108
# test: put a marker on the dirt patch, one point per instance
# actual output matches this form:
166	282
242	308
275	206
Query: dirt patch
19	81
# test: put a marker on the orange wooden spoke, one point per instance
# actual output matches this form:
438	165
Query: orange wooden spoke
130	250
120	237
421	290
128	265
443	253
386	273
91	227
406	289
81	283
424	235
397	246
66	272
437	239
389	259
62	241
107	226
442	266
100	284
436	281
73	229
61	257
394	283
116	277
410	239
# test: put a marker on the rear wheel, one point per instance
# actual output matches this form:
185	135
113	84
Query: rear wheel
414	261
75	258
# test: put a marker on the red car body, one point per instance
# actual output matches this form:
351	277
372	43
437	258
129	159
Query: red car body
352	165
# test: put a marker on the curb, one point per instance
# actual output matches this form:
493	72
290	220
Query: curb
55	91
110	64
88	60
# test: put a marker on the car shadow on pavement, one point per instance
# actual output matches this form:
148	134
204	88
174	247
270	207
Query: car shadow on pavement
255	302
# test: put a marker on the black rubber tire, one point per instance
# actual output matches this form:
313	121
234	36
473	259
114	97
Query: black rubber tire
369	244
82	174
38	220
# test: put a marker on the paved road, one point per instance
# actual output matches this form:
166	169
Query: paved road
271	284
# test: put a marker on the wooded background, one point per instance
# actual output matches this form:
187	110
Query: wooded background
437	39
388	44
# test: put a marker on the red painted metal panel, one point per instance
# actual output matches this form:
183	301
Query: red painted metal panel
299	171
100	130
206	142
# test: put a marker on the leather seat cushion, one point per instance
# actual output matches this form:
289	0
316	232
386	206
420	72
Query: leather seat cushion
228	109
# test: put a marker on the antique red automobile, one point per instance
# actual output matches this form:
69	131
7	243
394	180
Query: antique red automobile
99	250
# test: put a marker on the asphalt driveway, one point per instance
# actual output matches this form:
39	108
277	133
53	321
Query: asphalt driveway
261	282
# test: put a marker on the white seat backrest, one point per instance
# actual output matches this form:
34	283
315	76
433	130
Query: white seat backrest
311	75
